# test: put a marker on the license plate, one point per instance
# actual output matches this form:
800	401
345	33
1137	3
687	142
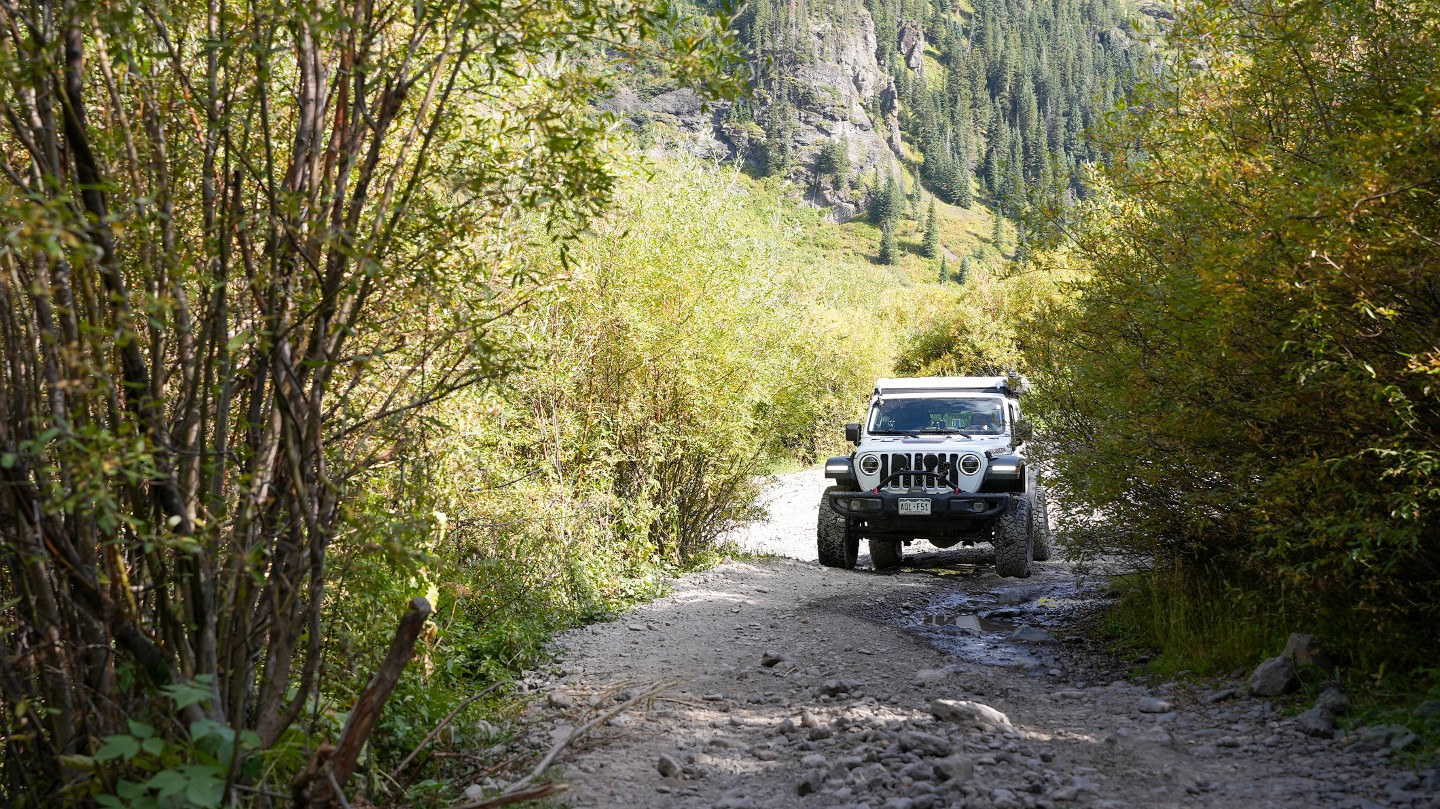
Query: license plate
914	505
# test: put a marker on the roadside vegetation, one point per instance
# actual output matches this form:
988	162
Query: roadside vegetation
1243	390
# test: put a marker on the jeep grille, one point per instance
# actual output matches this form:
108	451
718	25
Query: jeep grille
892	462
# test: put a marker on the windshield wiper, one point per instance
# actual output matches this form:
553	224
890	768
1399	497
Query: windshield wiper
929	431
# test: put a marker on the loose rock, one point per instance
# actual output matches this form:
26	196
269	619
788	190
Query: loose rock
668	766
1316	722
965	712
1334	701
1306	650
924	743
771	659
955	767
1153	705
1272	678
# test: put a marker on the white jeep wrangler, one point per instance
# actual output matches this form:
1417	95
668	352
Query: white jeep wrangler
941	459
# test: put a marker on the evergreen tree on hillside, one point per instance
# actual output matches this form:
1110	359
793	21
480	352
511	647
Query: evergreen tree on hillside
1023	80
889	251
930	248
887	204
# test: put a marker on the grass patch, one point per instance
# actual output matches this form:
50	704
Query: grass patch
1201	622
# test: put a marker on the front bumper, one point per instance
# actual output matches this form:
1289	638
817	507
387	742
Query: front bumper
951	515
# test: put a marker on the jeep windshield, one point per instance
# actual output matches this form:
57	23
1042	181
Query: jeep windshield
943	415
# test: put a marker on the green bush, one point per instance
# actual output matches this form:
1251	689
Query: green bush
1249	377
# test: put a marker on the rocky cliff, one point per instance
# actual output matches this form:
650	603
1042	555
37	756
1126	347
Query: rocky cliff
839	94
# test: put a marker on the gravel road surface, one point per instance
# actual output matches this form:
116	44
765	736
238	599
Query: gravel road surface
780	683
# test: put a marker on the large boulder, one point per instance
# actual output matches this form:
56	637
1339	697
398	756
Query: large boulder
1307	650
1272	678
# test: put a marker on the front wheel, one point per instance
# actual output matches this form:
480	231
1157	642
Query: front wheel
886	553
1013	534
836	542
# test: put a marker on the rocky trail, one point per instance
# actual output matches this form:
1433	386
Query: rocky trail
784	684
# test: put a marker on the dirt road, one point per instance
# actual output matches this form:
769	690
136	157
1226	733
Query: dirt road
784	684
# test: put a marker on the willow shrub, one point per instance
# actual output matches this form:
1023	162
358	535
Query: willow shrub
245	248
1249	377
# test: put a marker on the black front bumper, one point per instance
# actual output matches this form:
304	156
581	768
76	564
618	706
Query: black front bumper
952	516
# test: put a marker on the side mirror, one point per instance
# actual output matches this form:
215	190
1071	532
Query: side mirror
852	433
1024	431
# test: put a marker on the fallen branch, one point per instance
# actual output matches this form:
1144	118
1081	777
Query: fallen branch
537	791
581	731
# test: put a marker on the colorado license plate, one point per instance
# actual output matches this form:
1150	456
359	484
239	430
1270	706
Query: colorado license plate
914	505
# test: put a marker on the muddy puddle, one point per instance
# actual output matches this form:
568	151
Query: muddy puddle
977	617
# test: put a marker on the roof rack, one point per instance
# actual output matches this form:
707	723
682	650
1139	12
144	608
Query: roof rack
974	384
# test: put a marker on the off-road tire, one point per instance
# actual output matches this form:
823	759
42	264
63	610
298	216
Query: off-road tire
837	544
1014	533
886	554
1042	546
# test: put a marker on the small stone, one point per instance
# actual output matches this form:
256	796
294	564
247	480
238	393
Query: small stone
1369	739
1272	678
814	760
1316	722
668	766
965	712
772	659
1152	705
808	720
927	676
811	783
1030	634
636	627
1220	696
1003	799
925	744
474	792
559	699
955	768
1401	737
922	770
898	802
1334	701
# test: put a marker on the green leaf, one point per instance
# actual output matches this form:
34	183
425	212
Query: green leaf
190	692
129	790
205	789
82	763
168	782
140	729
153	745
110	802
118	746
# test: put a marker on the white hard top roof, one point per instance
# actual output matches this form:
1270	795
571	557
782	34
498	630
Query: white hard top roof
988	384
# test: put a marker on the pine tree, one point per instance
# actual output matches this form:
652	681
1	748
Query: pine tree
889	251
931	246
997	232
965	266
944	271
884	205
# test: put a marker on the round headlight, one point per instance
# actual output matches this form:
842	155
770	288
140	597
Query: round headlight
869	464
969	464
